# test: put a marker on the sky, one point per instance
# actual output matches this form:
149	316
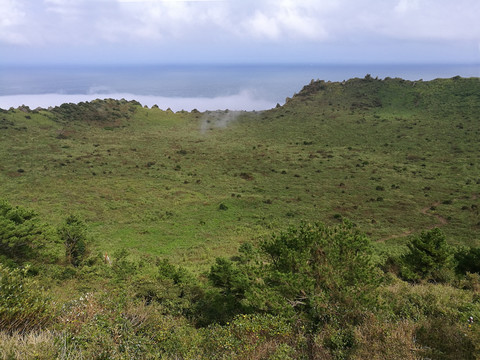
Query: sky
239	31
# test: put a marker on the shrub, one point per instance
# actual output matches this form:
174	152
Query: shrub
173	287
73	234
122	267
322	271
23	306
315	272
108	325
255	336
222	206
429	257
21	234
377	340
468	260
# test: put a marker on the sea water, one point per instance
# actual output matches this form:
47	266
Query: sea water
185	87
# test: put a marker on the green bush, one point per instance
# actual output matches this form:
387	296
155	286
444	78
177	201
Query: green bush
322	272
429	257
317	272
21	233
73	233
255	336
172	287
468	260
23	306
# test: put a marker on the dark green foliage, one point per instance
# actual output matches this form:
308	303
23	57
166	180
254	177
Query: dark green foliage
222	207
468	260
429	257
123	268
225	275
104	111
73	233
315	275
317	272
173	287
21	233
233	283
323	272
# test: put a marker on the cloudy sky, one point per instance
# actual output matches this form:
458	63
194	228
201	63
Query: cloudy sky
238	31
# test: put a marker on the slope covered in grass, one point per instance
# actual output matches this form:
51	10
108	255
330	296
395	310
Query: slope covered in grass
396	157
227	233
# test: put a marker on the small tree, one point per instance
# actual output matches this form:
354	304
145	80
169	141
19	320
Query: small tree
315	271
21	233
467	260
322	271
429	257
316	275
73	234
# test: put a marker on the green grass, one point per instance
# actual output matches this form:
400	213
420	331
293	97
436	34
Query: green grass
380	153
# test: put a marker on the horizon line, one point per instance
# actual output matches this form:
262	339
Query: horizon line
229	63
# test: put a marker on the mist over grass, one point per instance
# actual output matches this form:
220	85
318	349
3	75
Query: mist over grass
244	100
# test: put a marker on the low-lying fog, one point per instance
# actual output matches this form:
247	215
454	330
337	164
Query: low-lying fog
244	100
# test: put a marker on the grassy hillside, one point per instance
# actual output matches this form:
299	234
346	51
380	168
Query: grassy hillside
202	216
394	156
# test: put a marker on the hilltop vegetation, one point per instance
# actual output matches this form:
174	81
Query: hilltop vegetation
343	224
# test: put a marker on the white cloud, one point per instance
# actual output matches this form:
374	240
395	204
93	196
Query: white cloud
405	6
180	23
65	8
148	21
434	20
284	19
260	25
12	17
165	1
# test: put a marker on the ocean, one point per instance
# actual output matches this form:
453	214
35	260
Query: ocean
185	87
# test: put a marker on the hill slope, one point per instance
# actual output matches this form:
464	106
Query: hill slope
394	156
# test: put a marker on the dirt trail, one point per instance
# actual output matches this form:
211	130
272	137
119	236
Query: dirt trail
440	218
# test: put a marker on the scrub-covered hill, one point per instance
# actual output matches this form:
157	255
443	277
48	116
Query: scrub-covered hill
394	156
341	225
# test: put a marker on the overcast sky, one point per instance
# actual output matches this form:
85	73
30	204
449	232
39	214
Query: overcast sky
238	31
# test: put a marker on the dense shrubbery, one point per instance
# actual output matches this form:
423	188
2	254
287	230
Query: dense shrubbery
23	306
311	292
102	111
468	260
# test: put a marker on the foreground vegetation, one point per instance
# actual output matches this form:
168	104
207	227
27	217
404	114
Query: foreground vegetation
343	224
